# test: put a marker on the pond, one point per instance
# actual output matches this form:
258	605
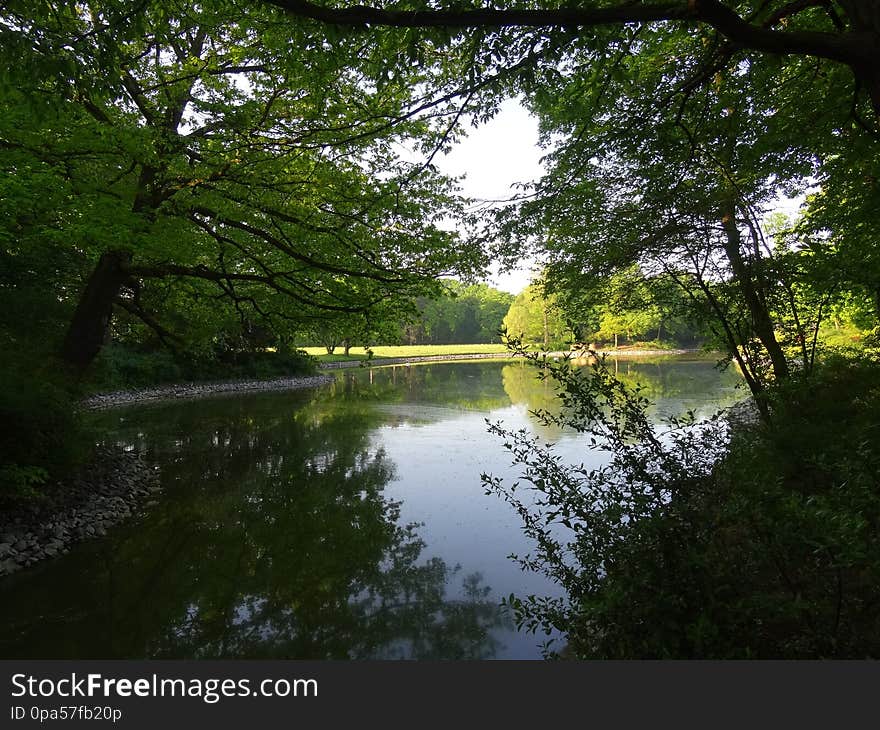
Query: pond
347	521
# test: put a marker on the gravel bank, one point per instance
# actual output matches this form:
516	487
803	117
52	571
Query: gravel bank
199	390
111	487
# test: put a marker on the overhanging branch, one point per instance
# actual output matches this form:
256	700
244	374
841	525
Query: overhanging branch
853	49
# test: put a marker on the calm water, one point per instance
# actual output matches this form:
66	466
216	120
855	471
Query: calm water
343	522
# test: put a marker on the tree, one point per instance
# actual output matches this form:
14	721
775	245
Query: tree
380	325
716	107
535	318
191	151
463	313
844	32
673	168
491	307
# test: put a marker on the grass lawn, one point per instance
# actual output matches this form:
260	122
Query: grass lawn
385	351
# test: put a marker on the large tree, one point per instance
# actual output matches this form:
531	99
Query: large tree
675	126
213	149
679	189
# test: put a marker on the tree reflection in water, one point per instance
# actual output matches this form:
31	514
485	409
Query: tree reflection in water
273	540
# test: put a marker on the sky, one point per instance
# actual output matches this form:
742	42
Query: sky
493	157
504	151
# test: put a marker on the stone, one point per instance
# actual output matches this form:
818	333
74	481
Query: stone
8	566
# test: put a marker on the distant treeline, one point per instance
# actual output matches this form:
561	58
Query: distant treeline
467	314
624	309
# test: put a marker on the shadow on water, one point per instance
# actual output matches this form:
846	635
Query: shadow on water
273	539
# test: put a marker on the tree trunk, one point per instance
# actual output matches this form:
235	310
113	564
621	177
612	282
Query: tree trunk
91	320
761	320
864	20
546	331
346	344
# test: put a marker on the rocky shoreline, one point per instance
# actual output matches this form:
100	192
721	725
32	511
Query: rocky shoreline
110	488
199	390
743	414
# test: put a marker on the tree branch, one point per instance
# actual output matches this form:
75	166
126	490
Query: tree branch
160	271
853	49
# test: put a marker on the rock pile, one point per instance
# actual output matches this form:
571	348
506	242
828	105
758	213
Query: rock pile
86	505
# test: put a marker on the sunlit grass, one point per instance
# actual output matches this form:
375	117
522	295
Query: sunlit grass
845	335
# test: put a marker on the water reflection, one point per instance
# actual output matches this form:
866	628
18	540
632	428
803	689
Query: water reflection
274	540
344	522
674	385
469	386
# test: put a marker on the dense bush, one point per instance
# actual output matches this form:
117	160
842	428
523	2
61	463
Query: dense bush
706	541
120	366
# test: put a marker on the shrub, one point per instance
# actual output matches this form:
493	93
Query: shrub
696	541
120	366
38	429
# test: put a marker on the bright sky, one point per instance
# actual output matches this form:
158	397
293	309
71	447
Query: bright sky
491	159
505	151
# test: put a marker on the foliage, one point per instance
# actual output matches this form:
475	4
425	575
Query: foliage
535	318
701	542
39	434
173	177
201	173
464	314
120	367
670	141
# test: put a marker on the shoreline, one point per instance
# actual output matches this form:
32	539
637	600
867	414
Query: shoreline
109	488
180	391
381	361
192	390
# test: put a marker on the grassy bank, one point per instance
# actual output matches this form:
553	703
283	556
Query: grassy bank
388	351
